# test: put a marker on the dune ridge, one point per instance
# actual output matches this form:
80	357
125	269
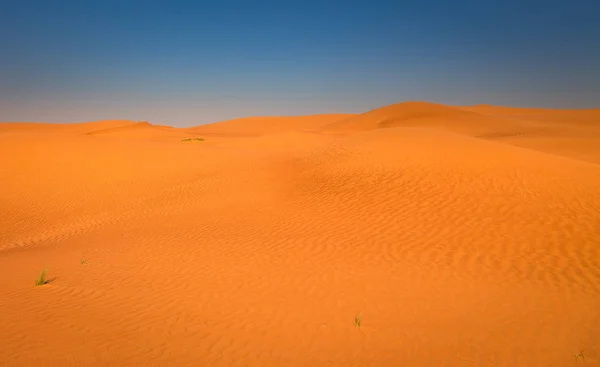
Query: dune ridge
81	127
461	236
256	126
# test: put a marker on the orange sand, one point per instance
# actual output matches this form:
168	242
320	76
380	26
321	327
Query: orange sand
463	236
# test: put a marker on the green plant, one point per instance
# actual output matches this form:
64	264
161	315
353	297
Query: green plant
191	140
41	280
357	320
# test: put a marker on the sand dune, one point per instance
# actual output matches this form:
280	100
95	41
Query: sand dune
420	114
140	130
571	117
84	127
456	242
258	126
573	133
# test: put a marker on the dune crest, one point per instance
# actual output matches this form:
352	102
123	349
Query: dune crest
255	126
82	127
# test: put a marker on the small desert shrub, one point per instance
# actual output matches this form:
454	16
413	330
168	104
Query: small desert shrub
188	140
41	280
357	320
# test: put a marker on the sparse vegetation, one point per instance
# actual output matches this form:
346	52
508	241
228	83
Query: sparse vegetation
41	280
83	261
579	356
191	140
357	320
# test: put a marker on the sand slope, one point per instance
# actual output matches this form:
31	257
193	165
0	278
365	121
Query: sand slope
84	127
140	130
258	126
420	114
574	133
456	246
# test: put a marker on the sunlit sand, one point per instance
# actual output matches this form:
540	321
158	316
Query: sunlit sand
456	236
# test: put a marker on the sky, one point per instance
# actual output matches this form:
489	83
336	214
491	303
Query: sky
186	63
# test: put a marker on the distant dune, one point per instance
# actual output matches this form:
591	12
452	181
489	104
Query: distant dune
254	126
415	234
578	116
463	120
139	130
402	114
84	127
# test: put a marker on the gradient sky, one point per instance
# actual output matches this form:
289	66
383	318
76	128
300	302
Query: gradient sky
186	63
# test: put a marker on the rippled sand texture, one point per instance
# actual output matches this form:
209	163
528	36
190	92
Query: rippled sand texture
462	236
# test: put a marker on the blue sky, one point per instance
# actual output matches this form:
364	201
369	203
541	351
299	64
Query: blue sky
185	63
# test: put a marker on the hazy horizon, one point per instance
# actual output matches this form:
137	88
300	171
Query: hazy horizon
183	63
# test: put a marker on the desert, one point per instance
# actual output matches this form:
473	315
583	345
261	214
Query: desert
414	234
